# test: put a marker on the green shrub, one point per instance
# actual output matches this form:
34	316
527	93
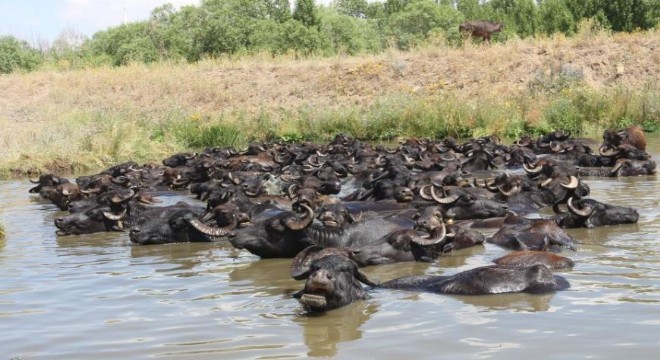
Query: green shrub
17	55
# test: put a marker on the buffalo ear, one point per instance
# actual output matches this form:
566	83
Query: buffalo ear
299	269
539	273
277	225
300	275
363	277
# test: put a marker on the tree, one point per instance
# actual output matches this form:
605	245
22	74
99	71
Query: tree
17	54
279	10
628	15
394	6
295	36
225	26
355	8
126	43
305	12
555	16
474	10
348	35
414	23
519	15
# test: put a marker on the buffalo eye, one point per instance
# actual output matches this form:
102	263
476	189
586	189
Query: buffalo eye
176	224
95	215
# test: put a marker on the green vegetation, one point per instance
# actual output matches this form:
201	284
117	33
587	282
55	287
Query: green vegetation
79	143
219	28
2	232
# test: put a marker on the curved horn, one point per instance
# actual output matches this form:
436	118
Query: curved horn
555	147
363	278
379	177
208	216
298	224
490	185
91	191
118	198
114	217
532	170
424	194
542	144
362	196
212	231
514	190
445	200
435	237
616	168
479	183
120	180
557	209
300	265
579	212
236	181
451	157
545	182
603	151
280	159
522	143
34	181
291	190
573	184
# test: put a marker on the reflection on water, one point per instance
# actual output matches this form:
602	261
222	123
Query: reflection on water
100	296
517	302
322	333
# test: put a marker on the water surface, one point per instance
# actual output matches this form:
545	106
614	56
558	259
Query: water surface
99	296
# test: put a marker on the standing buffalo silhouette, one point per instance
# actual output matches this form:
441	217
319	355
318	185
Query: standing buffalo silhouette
479	28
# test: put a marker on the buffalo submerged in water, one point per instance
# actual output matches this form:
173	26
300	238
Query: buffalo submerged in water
370	205
334	281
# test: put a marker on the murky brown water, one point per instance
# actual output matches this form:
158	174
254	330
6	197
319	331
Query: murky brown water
99	296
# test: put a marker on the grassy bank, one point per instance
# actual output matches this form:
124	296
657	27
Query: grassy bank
67	121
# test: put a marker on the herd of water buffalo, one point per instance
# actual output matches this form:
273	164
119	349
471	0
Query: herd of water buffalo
347	204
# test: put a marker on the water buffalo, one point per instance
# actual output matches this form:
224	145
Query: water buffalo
47	180
461	204
97	219
423	243
529	258
612	139
480	28
281	235
61	195
177	225
110	211
334	281
331	282
519	233
286	234
591	213
495	279
625	167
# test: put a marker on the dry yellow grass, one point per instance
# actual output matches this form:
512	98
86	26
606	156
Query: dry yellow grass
52	117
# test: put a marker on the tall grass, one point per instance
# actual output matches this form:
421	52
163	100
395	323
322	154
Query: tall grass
85	140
